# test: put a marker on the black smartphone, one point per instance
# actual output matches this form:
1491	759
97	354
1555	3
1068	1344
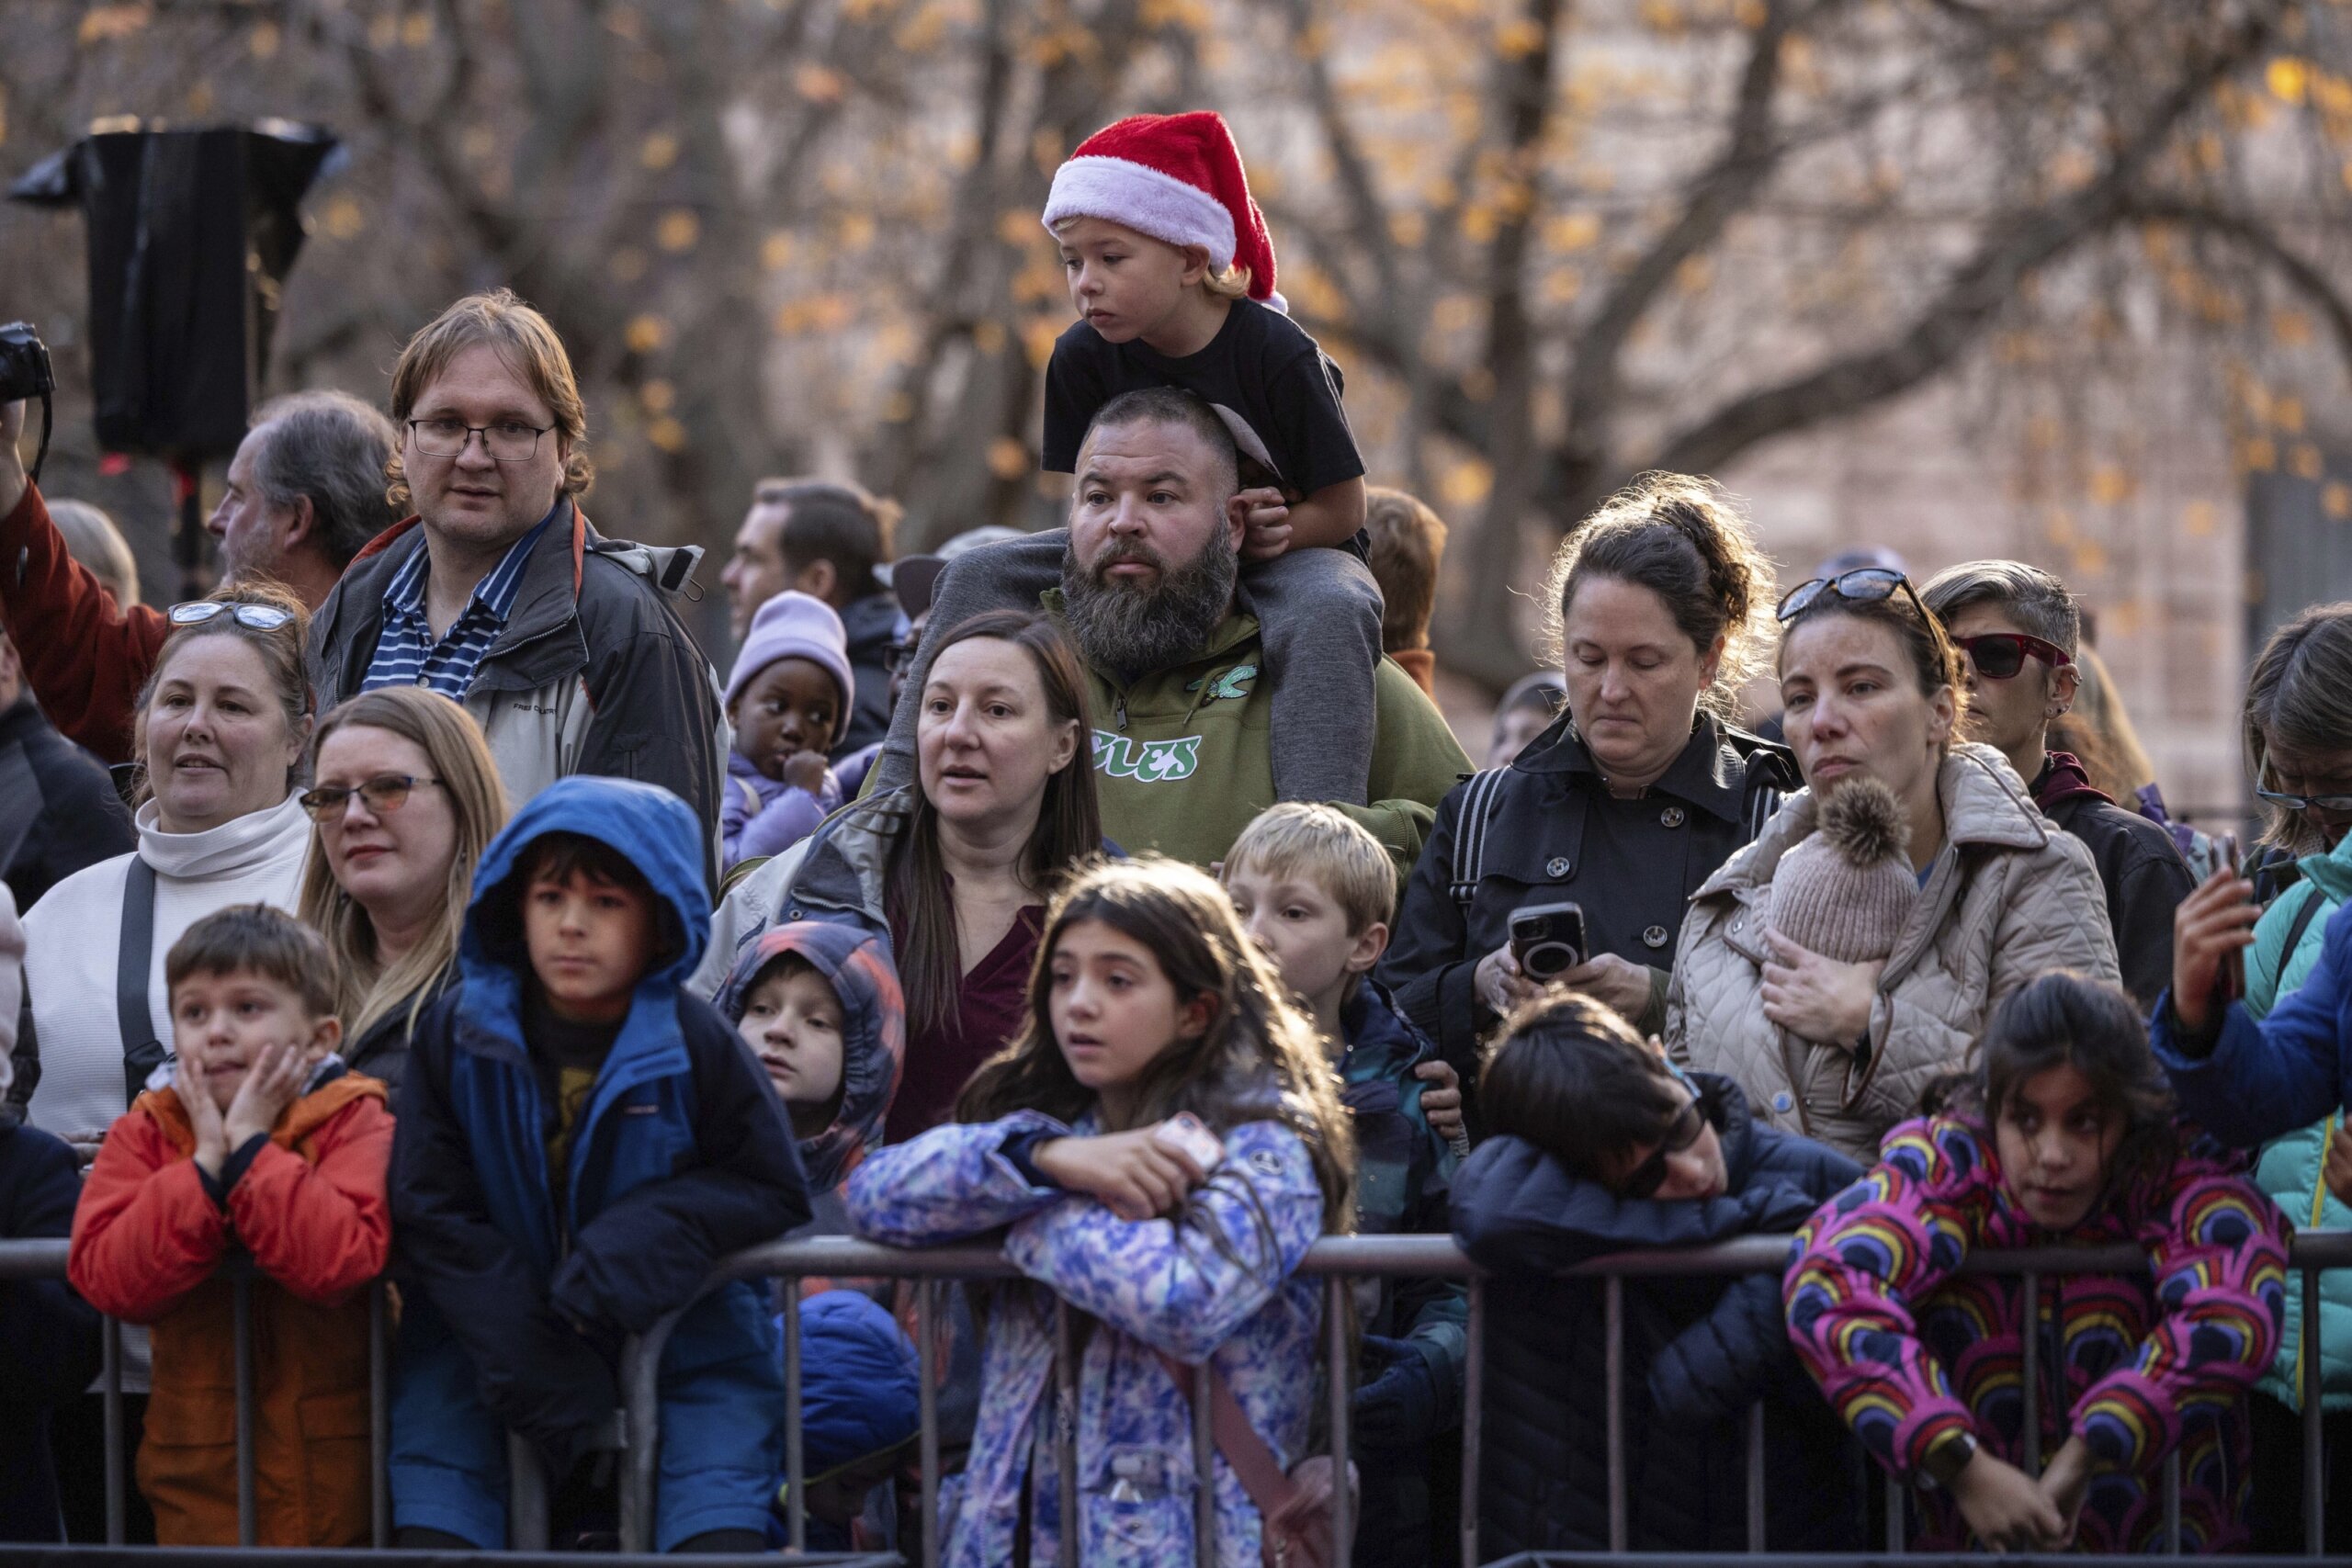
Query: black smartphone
2231	984
1547	940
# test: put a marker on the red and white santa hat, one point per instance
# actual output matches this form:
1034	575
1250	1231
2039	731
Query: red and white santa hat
1176	177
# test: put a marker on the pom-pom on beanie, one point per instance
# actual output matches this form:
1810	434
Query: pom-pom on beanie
794	625
1177	178
1845	892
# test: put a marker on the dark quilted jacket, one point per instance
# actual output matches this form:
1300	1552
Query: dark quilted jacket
1698	1353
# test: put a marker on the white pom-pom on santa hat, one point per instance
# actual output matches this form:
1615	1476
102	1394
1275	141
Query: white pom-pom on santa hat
1177	178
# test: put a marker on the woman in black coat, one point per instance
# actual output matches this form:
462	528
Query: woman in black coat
1631	799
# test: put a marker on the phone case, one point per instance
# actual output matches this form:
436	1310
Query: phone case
1185	1133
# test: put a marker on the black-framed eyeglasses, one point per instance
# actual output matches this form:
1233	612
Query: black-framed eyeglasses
1646	1178
260	617
508	441
1999	656
385	792
2306	801
899	658
1863	585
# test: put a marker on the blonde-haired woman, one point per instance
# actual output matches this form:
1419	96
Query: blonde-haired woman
404	798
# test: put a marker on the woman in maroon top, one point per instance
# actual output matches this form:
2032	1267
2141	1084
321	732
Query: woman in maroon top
957	867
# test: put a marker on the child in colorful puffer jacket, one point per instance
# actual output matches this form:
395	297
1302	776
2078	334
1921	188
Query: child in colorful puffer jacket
260	1144
2065	1135
1150	1002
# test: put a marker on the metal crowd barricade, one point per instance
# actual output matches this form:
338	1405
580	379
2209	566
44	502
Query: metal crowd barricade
1335	1261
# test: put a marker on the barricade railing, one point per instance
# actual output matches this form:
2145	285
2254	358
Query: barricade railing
1336	1260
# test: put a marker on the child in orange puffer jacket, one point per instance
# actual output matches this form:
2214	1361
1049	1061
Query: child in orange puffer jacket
261	1144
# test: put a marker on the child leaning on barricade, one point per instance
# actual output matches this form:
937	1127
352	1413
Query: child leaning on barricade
1599	1145
1164	1144
2064	1133
256	1149
1315	890
579	1142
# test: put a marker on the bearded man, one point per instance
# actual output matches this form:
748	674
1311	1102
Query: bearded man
1183	710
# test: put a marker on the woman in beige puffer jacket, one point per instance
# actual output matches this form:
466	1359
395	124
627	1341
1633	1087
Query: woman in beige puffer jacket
2005	895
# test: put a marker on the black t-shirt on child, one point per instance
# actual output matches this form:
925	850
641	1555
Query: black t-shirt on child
1261	372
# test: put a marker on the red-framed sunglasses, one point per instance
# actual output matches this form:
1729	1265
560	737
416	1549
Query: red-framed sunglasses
2000	655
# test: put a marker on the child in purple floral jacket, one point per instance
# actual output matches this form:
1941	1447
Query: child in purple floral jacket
2065	1135
1150	1002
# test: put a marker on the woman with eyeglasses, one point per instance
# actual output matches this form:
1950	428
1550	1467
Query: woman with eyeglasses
1630	799
1599	1145
2298	732
2019	631
220	731
403	797
1873	688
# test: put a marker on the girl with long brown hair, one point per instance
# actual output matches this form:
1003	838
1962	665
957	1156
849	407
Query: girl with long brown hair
1165	1140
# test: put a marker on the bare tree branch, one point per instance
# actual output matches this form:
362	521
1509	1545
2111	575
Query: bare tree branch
2250	233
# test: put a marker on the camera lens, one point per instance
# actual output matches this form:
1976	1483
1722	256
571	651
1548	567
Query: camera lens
1545	960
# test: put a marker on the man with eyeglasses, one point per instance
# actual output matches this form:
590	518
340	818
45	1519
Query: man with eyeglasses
499	595
304	494
2018	629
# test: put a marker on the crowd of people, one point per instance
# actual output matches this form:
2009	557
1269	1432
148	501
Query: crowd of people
1119	891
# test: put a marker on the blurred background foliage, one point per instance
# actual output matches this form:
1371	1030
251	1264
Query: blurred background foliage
1552	242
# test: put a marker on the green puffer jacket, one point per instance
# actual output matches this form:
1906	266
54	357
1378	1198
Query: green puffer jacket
2289	1168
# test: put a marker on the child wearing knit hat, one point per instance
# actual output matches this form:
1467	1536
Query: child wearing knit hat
1172	273
788	695
1845	891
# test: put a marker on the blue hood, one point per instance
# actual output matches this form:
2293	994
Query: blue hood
861	1395
649	827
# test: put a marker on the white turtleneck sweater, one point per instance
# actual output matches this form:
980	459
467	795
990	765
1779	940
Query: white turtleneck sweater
73	934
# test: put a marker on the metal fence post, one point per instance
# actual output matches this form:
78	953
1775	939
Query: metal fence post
1613	1309
1755	1476
241	1297
118	1505
1335	1327
2314	1454
795	1506
526	1497
927	1397
2031	1373
2172	1502
379	1418
1474	1394
1897	1537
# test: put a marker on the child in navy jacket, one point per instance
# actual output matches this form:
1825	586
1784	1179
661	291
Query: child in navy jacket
579	1141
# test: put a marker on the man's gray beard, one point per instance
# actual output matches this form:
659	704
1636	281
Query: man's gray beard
1129	631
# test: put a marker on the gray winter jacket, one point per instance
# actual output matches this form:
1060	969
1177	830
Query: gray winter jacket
2010	896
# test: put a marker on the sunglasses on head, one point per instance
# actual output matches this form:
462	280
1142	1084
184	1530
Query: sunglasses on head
1997	656
260	617
1863	585
1646	1178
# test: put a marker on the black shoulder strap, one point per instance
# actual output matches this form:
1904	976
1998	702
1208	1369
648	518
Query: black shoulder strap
1470	834
2303	923
142	1051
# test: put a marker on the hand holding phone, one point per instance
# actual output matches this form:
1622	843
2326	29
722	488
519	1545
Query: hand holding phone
1186	1134
2230	985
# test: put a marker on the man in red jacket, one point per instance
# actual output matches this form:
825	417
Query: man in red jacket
305	492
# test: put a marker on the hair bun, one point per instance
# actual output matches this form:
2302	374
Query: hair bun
1864	823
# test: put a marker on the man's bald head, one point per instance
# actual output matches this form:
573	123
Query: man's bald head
1174	406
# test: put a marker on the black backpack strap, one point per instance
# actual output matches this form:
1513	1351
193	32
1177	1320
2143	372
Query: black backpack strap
2303	923
142	1051
1470	834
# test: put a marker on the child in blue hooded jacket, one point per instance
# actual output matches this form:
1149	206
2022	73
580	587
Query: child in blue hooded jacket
579	1141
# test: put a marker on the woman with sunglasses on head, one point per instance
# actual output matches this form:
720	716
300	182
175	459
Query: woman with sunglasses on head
403	798
2018	629
2298	733
1840	1050
1634	794
220	731
1599	1145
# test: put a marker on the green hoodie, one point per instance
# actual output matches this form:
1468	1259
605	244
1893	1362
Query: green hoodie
2288	1168
1183	759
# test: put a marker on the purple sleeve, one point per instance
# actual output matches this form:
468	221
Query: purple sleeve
788	818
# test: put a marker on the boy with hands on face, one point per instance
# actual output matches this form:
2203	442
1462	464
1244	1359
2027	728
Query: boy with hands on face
260	1145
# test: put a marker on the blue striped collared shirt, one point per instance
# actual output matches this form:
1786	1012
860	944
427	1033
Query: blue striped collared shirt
407	654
